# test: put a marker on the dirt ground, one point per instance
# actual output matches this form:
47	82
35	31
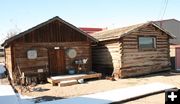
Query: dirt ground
94	86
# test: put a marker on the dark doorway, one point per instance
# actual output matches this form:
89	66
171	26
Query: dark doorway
57	61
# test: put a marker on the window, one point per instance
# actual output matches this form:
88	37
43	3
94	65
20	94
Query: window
147	43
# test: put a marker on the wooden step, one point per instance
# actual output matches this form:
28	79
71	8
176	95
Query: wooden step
67	83
54	80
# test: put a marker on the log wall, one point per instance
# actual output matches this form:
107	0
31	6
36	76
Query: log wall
8	59
124	57
107	57
137	62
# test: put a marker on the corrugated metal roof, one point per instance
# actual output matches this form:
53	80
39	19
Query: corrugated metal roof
172	26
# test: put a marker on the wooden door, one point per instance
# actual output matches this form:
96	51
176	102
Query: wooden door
57	62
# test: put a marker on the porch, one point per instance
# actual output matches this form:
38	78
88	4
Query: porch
55	80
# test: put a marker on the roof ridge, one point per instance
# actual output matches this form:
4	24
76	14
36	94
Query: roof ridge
120	27
120	32
166	20
42	24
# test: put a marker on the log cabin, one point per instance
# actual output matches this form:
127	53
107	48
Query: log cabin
50	48
132	51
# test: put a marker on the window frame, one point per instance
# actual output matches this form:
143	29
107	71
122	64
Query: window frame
148	49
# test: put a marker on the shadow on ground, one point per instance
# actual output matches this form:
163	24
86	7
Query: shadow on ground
165	73
46	98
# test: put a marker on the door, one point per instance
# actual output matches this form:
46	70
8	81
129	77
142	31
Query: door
56	61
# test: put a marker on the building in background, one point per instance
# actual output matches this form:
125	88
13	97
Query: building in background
91	30
172	26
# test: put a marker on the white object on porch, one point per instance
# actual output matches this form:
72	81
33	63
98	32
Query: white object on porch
116	95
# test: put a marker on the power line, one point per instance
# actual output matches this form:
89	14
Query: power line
166	3
163	8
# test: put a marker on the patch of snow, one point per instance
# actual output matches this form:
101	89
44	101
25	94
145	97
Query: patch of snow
116	95
135	91
78	100
2	63
25	99
7	95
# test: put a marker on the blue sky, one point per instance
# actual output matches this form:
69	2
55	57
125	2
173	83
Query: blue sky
23	14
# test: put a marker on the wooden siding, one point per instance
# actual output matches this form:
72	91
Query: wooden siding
107	57
53	32
31	65
8	59
137	62
44	38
